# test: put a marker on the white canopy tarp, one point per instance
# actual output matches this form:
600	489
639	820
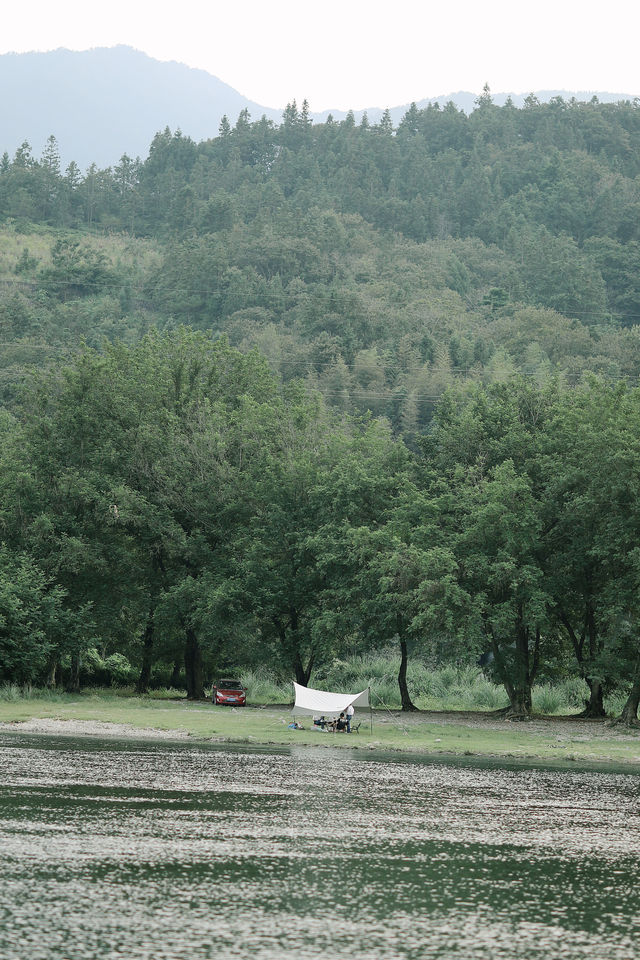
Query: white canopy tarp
321	703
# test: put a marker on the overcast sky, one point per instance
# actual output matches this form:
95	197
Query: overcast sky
354	54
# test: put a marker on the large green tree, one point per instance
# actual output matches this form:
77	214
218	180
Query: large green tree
590	468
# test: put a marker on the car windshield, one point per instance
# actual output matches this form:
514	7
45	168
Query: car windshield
229	685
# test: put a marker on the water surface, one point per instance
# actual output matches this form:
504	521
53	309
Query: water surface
147	851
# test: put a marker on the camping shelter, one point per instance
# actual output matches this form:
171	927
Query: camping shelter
322	703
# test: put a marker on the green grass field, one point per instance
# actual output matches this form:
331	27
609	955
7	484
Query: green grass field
548	740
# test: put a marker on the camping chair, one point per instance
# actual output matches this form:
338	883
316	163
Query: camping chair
355	727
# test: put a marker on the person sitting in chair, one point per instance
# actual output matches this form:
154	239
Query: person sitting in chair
341	723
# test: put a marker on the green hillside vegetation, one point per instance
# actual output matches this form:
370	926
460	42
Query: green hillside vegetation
306	389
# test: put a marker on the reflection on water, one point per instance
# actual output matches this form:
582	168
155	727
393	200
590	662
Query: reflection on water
161	852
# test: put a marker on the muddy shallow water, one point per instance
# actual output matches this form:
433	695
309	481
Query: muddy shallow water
159	851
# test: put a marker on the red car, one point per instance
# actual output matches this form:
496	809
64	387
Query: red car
230	692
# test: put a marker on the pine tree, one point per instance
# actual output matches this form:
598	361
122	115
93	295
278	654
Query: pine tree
386	124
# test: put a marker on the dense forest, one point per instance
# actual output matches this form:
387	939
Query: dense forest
304	388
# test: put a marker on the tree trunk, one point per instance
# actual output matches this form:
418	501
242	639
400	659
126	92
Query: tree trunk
74	677
594	708
52	669
142	685
521	693
517	683
289	641
174	679
629	715
405	699
595	704
193	666
303	674
520	703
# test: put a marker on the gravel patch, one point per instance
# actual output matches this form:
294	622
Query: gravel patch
92	728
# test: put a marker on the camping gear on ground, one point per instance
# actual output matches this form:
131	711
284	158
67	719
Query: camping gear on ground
327	705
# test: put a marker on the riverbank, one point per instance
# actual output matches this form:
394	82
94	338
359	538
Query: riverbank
456	734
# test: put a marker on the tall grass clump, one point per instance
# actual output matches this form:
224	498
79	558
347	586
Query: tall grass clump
450	687
615	702
385	693
462	687
485	695
377	670
167	693
13	692
569	696
127	692
357	672
264	688
574	693
547	699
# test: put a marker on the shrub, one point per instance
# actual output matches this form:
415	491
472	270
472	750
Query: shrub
114	670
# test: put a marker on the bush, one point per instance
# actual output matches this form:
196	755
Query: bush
112	671
119	669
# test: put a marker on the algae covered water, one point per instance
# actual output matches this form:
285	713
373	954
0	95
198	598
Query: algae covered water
156	851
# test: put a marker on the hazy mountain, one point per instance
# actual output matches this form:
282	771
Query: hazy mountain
104	102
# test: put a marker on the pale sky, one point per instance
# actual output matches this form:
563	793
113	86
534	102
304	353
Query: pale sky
352	54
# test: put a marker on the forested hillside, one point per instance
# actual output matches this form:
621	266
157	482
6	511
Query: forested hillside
307	385
380	264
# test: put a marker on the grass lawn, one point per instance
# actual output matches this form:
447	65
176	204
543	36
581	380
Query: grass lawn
471	734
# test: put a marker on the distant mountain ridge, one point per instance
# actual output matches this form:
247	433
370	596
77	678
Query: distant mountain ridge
105	102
